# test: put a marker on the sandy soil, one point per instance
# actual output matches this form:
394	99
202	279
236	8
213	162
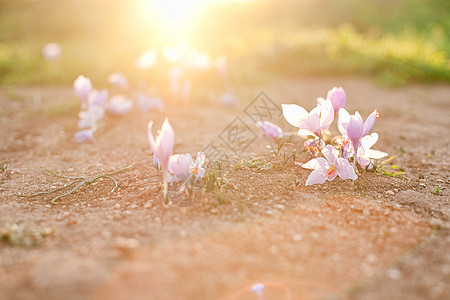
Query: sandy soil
379	238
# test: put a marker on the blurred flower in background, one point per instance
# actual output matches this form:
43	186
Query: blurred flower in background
51	51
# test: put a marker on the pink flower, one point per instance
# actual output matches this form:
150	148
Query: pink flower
163	145
311	123
337	97
179	167
146	103
82	86
182	167
119	105
51	51
98	98
117	79
314	146
85	136
269	129
353	127
329	168
90	117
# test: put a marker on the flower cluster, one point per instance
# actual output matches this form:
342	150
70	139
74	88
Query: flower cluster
354	144
92	108
184	63
175	167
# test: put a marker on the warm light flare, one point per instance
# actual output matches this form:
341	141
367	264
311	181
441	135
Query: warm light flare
174	16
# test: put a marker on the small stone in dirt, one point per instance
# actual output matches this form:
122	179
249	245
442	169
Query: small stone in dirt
279	206
126	247
133	206
394	274
422	184
117	206
214	211
48	206
390	193
297	237
148	205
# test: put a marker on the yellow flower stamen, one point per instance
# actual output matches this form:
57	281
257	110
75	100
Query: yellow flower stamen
330	170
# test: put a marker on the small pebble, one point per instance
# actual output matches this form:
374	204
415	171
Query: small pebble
394	274
390	193
297	237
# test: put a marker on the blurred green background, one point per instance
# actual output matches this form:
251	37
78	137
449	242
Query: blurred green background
394	42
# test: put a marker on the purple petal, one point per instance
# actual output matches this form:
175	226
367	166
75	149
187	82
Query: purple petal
98	98
330	154
326	114
179	167
151	140
369	122
164	144
337	97
343	119
354	130
312	121
317	176
84	136
269	129
345	170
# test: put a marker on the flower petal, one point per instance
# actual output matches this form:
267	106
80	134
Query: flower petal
354	130
316	163
84	136
363	161
293	113
375	154
151	140
306	132
369	140
200	160
343	119
317	176
345	170
330	153
369	122
164	144
326	114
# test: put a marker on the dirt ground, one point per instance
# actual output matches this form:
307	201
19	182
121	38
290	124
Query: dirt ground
380	237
